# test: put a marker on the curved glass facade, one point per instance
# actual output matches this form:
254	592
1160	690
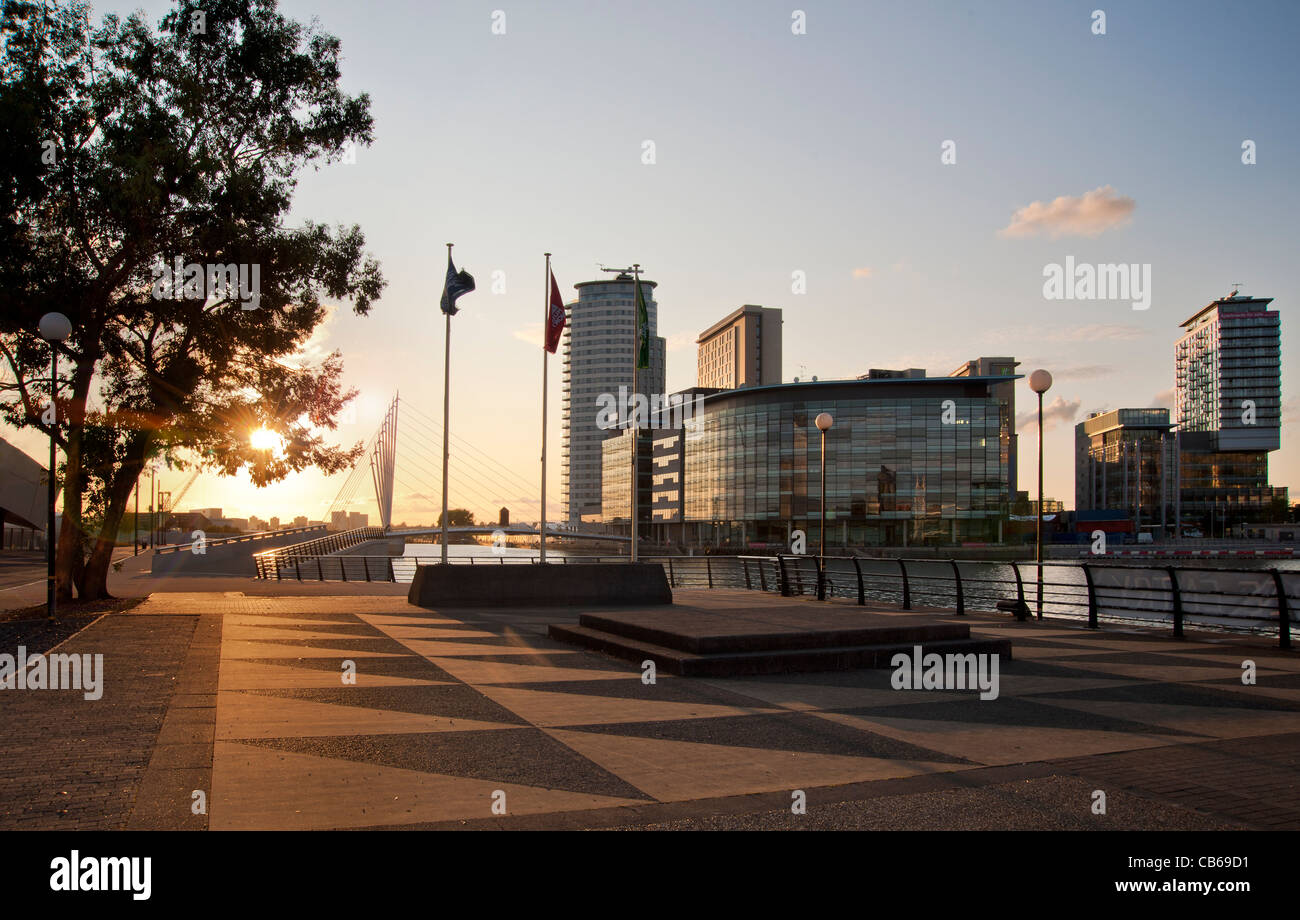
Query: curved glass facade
916	461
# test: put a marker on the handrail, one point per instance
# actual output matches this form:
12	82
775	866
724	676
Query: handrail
238	538
269	562
1115	592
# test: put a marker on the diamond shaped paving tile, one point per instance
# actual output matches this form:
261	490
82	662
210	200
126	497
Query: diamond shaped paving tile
256	788
346	644
409	666
673	770
240	648
480	671
457	701
1189	695
1036	712
1006	744
526	756
666	689
298	634
555	708
243	674
787	731
250	715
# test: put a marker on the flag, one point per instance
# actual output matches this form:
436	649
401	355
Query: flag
642	330
554	318
457	283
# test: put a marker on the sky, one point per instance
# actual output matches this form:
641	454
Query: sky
776	153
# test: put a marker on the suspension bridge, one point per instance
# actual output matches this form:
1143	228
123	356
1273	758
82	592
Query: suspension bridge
412	465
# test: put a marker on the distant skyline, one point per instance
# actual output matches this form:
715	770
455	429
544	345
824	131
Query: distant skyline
921	164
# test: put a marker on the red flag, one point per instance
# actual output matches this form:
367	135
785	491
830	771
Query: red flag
555	318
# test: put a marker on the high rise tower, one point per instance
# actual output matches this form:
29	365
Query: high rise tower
599	345
1228	374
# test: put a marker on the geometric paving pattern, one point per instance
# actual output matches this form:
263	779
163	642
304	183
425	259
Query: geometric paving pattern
243	697
447	711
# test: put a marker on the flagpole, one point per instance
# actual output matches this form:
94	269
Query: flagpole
636	360
446	412
546	331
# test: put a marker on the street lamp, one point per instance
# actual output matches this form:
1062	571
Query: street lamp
54	328
823	422
1040	381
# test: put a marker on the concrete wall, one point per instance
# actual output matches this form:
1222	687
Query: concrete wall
584	585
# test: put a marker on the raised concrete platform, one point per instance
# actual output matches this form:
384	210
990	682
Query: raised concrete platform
583	585
695	643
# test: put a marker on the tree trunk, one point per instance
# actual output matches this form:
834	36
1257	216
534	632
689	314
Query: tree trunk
94	584
69	561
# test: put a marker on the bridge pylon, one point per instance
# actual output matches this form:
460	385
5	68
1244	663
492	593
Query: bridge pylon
383	462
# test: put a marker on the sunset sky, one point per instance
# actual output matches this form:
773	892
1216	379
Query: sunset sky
777	153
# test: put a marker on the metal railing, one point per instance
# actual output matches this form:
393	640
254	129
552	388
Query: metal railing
273	564
1248	600
240	538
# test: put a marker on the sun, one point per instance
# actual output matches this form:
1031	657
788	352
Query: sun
265	439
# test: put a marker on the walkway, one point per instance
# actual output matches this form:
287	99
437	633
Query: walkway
243	698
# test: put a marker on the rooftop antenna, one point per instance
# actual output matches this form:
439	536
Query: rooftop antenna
1235	286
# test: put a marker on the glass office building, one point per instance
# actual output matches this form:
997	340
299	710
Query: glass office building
1132	460
1125	460
909	461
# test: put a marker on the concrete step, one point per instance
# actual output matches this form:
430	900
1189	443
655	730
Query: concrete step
735	636
767	661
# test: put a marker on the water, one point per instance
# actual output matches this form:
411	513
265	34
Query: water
431	552
1237	595
1227	594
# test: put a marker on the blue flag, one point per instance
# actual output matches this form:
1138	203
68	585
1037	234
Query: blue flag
458	283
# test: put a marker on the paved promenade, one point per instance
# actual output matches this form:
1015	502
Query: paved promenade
243	699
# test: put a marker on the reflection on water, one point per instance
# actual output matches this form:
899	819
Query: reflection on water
483	553
1237	595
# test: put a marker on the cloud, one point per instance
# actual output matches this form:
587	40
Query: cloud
532	334
1162	400
1090	214
857	273
1081	372
1058	411
1092	332
1097	332
1066	371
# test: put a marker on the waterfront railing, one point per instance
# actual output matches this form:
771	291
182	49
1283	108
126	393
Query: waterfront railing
1256	600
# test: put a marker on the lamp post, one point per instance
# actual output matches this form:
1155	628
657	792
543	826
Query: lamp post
153	513
823	422
1040	381
54	328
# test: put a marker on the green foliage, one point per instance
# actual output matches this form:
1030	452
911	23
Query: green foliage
458	517
125	148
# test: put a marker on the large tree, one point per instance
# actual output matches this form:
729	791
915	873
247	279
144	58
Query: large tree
124	149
